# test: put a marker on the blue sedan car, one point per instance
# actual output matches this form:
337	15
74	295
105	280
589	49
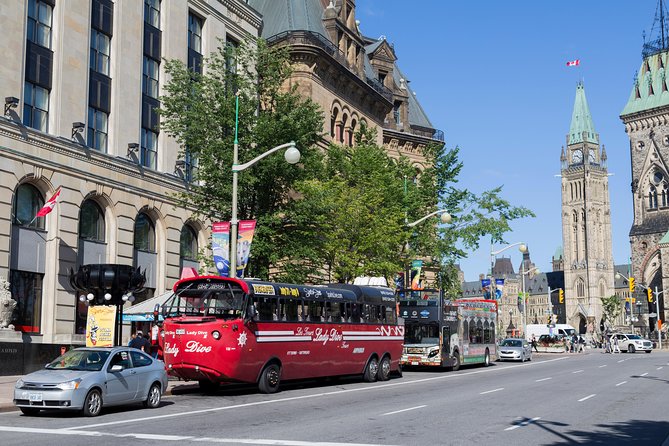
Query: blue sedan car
87	379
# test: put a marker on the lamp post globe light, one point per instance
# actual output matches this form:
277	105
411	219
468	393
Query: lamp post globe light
444	217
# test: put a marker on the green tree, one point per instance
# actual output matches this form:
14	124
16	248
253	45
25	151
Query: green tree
611	307
198	110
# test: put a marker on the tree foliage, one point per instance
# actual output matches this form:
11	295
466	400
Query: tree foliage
611	307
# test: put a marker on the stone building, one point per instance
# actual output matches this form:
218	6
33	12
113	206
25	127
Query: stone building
586	221
646	120
81	81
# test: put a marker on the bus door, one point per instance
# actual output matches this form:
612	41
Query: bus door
446	342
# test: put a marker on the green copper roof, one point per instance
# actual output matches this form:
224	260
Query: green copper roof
581	121
665	239
650	86
558	253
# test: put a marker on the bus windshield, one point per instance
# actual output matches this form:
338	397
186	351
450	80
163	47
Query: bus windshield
422	333
225	301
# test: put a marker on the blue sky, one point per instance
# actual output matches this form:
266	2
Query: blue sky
492	75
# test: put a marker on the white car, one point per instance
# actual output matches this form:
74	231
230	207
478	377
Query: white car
516	349
632	343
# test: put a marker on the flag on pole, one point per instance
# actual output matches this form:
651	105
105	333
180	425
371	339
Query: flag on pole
574	63
49	205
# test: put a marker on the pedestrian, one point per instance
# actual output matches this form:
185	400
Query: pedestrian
132	337
607	345
534	344
574	343
140	342
581	344
614	342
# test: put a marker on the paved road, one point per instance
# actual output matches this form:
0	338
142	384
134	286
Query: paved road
590	398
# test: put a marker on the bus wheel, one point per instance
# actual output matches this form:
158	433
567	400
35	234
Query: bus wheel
371	370
208	386
384	369
270	378
456	361
486	361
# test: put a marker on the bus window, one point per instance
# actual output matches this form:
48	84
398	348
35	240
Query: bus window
288	309
391	315
266	307
315	311
333	312
355	314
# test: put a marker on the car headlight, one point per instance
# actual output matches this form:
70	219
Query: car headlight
69	385
19	384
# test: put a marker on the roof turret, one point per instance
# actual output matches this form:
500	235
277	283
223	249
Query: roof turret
581	129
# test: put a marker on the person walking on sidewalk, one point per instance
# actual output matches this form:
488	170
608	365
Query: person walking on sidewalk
614	342
534	344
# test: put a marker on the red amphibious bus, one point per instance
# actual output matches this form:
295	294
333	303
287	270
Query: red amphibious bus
219	329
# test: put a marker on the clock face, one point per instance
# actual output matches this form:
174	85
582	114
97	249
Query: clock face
591	156
577	156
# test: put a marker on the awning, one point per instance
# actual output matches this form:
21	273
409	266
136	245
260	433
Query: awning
143	311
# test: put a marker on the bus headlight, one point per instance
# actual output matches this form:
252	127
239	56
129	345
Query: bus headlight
216	334
433	353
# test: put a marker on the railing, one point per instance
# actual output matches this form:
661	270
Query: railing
320	41
655	46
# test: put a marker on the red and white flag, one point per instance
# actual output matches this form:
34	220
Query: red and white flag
49	205
574	63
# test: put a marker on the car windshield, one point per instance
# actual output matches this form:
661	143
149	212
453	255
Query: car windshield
633	336
512	343
89	360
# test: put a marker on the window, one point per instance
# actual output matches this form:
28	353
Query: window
288	309
191	164
26	289
652	197
195	33
188	244
580	288
145	234
139	359
36	107
149	149
27	202
97	129
40	17
150	77
315	311
100	44
397	115
91	222
152	12
231	47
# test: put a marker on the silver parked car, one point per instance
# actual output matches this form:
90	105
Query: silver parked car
515	348
87	379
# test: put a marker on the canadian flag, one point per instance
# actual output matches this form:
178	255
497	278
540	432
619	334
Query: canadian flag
49	205
574	63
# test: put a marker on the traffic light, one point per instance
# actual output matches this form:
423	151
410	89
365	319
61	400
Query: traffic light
561	296
549	319
631	284
650	295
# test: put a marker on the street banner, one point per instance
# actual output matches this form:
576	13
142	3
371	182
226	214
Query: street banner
416	267
220	246
244	239
100	326
521	302
499	288
485	286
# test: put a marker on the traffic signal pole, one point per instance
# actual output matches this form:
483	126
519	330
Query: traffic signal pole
657	320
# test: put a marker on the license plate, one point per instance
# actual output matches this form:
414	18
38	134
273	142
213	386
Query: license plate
35	397
181	331
415	363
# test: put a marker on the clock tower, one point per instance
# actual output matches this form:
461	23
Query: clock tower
586	221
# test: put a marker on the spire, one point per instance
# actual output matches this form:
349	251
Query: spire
582	129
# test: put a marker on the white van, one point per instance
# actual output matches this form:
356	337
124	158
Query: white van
543	329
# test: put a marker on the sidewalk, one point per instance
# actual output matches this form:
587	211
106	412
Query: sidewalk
7	390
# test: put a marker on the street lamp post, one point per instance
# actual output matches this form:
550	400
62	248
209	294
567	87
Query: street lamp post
292	156
444	217
657	317
524	312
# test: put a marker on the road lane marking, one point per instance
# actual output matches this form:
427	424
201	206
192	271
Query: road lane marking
162	437
660	368
621	361
404	410
621	383
587	397
602	366
375	387
542	379
491	391
522	424
644	374
577	371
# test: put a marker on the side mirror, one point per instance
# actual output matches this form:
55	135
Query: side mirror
116	368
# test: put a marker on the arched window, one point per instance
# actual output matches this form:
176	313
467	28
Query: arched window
188	243
351	135
652	197
580	288
665	198
344	124
333	124
145	234
91	222
27	202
